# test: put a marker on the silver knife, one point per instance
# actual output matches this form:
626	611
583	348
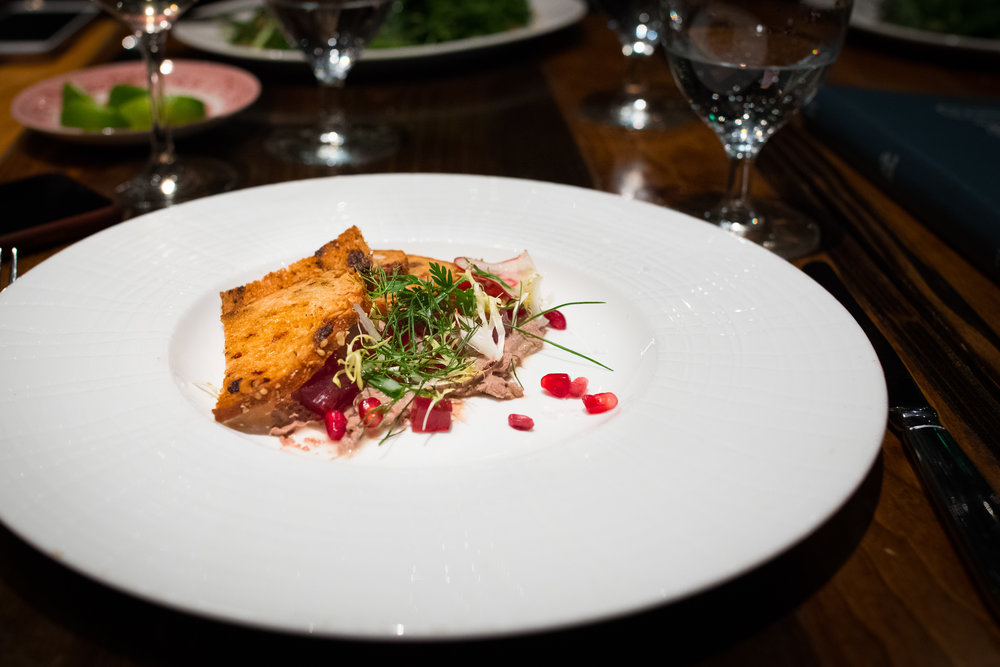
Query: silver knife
968	506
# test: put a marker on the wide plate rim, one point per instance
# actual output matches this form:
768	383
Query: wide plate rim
36	526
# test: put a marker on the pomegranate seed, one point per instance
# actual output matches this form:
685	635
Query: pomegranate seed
520	422
597	403
336	424
370	417
578	387
556	384
556	319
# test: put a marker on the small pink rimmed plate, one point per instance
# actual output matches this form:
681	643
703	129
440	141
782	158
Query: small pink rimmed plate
224	89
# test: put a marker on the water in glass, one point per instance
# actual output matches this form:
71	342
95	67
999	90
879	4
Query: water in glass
747	67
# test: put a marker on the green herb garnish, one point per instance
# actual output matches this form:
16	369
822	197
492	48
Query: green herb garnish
429	336
423	339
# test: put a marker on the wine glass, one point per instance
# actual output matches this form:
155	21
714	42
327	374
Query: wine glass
332	34
635	104
165	179
747	67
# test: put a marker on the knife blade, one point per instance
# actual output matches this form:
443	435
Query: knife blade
967	505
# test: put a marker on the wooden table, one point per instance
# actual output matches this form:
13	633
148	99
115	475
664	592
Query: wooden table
878	584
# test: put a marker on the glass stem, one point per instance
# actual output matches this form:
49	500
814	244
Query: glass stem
161	141
735	212
331	110
634	81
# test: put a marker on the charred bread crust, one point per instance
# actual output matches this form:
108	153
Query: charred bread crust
281	329
277	342
347	252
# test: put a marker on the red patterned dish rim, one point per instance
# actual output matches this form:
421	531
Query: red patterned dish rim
224	89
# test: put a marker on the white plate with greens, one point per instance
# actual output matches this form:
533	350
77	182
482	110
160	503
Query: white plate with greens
751	407
208	29
869	15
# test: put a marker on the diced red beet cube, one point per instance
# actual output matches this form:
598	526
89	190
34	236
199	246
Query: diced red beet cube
429	417
320	394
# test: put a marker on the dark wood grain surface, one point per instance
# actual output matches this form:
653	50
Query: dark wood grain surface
878	584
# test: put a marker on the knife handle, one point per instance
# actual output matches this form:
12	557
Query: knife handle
969	505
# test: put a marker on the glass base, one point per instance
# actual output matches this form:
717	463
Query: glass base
358	144
782	230
159	186
636	112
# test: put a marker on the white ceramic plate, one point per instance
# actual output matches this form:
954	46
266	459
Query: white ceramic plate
867	16
224	89
752	406
209	32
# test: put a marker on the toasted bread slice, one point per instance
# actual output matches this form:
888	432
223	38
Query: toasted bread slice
347	252
280	330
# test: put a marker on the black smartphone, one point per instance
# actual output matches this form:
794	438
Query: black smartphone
50	209
42	26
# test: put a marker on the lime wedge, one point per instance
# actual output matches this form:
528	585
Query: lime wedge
124	92
71	93
128	106
136	112
80	110
181	109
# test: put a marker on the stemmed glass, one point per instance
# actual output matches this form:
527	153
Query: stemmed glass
747	67
332	34
635	104
165	179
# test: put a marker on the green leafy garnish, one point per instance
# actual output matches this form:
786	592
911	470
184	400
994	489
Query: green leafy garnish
409	23
260	31
413	22
972	18
127	107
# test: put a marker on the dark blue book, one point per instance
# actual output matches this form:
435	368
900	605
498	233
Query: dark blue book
939	157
